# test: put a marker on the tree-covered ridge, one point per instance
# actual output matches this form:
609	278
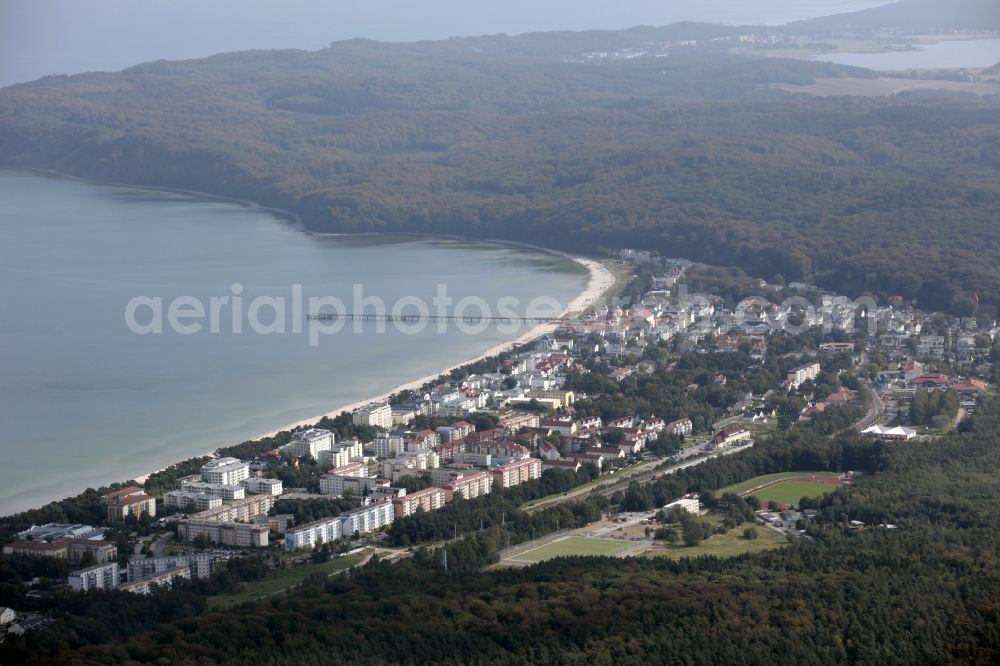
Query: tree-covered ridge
689	154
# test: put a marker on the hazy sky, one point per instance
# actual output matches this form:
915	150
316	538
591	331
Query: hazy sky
39	37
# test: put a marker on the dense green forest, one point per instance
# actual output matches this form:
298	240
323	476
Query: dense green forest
925	592
513	138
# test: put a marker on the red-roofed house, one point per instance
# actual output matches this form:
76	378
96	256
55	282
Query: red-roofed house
931	381
843	396
969	386
131	501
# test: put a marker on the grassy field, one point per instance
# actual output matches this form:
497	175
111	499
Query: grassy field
790	492
740	488
283	579
572	546
729	544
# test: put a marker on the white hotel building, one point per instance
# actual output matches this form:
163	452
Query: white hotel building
374	415
225	471
183	499
310	443
256	485
225	491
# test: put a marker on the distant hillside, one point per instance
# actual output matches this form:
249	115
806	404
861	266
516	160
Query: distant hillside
688	154
909	16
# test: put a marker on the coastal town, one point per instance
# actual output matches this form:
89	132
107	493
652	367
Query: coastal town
629	391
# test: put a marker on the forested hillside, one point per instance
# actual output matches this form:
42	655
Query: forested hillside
500	137
908	16
923	593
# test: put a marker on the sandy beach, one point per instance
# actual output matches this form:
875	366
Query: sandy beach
599	282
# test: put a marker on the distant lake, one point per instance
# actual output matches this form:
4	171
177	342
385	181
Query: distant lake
940	55
85	401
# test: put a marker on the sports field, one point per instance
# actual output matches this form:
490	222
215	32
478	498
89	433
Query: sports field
791	491
758	481
787	488
571	546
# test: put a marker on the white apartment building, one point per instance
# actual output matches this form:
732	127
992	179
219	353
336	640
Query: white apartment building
931	345
242	535
386	446
310	443
165	578
226	492
374	415
355	449
518	472
184	499
201	565
350	469
427	499
313	534
335	484
100	577
409	465
336	457
367	518
225	471
680	427
802	373
470	486
244	509
256	485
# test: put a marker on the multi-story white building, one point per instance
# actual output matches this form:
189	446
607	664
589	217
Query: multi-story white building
470	486
517	472
228	524
374	415
201	565
409	465
225	471
333	484
310	443
931	345
163	579
680	427
350	469
355	449
100	577
388	445
313	534
427	499
256	485
336	457
183	499
367	518
226	492
242	535
244	509
802	373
